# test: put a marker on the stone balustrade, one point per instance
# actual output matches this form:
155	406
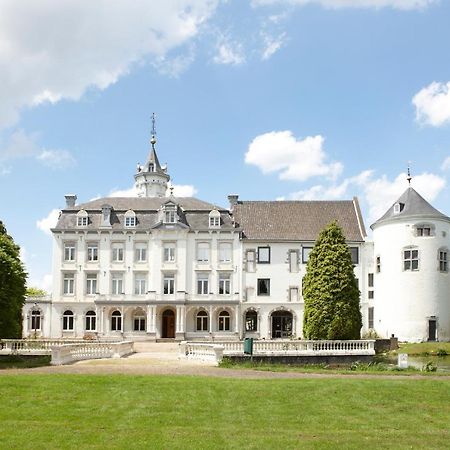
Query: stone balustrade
201	351
68	353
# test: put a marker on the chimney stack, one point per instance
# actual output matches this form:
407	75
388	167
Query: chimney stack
70	200
233	199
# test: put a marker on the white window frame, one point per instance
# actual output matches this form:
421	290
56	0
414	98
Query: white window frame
91	283
70	249
169	252
90	321
140	252
92	251
411	259
202	284
306	251
203	252
224	321
443	260
116	321
117	284
130	219
224	284
36	320
141	321
69	284
253	320
170	214
68	320
140	284
82	219
117	252
201	319
225	252
169	284
264	255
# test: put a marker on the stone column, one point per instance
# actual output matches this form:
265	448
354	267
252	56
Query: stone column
180	319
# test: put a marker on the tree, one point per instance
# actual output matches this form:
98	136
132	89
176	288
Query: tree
35	292
330	289
12	287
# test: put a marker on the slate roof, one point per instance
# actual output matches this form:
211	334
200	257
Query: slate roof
194	213
413	205
297	220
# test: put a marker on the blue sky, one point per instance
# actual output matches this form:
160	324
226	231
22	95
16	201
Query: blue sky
270	99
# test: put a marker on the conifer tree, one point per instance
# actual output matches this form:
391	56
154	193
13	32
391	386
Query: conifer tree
330	289
12	287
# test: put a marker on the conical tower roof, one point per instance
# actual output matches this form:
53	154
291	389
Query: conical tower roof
153	160
410	205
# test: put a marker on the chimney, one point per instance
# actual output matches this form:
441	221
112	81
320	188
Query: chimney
106	216
233	199
70	200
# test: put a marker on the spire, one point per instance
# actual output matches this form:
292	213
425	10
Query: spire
409	177
153	139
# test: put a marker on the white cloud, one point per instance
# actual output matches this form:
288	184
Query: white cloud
229	52
179	190
52	50
48	222
294	159
57	159
446	164
433	104
272	44
131	192
335	4
45	283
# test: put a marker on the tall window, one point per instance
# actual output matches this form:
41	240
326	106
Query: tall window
68	320
202	321
305	254
251	257
202	252
130	219
169	284
263	286
443	261
411	259
82	219
69	284
370	279
140	284
202	284
170	214
35	319
140	252
117	284
92	252
90	321
169	252
293	260
139	322
224	284
116	321
378	264
225	249
293	294
263	255
371	321
69	251
355	254
117	252
224	321
91	283
251	321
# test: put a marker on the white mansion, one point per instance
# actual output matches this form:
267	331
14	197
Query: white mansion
165	267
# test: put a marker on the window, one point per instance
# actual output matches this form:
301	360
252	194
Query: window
214	219
225	249
305	254
68	321
117	252
69	284
202	321
169	284
139	323
116	321
293	294
92	252
69	251
293	260
371	321
202	284
410	259
398	208
140	285
224	284
117	284
82	219
140	252
251	321
36	319
263	286
130	219
170	214
443	261
378	264
224	321
251	256
371	296
355	254
169	253
91	284
90	321
423	231
263	255
202	252
370	279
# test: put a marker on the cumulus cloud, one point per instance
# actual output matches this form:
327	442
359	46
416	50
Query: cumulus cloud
48	222
335	4
179	190
292	158
446	164
57	159
229	52
433	104
272	44
52	50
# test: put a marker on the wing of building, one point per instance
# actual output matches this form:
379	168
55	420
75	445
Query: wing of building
159	266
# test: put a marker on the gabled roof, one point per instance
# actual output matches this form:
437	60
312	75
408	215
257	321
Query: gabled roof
297	220
412	204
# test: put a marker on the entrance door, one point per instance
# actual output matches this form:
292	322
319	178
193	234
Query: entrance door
168	324
281	324
432	329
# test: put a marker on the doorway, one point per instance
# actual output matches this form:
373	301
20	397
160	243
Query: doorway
432	328
168	324
281	324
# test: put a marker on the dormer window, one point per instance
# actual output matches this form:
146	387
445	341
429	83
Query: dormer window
130	219
398	208
214	219
151	167
82	218
170	215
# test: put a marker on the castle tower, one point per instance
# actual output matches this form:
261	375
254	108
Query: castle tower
151	179
411	265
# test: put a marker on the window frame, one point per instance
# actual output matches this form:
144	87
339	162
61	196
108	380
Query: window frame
117	280
259	285
306	251
259	249
91	283
443	260
71	248
36	319
140	249
225	248
92	253
117	250
140	284
224	284
410	259
90	321
169	250
116	321
253	320
203	251
354	251
224	321
170	279
202	284
68	320
202	319
69	281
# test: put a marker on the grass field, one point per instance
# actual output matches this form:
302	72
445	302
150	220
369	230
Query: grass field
425	348
128	412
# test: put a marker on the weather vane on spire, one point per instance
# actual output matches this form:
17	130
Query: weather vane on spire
153	139
409	177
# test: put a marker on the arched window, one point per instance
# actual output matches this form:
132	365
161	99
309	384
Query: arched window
139	321
116	321
202	321
214	219
224	321
130	219
251	321
91	321
82	218
68	320
36	320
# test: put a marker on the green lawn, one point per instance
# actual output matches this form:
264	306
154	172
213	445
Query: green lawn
424	348
128	412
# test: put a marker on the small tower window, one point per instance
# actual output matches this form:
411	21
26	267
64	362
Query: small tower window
411	259
443	260
398	208
82	218
130	219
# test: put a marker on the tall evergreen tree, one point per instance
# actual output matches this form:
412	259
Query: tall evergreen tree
12	287
330	289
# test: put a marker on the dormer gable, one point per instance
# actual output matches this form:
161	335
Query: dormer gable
130	219
82	218
214	219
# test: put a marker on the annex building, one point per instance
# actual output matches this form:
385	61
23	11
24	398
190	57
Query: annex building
158	266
